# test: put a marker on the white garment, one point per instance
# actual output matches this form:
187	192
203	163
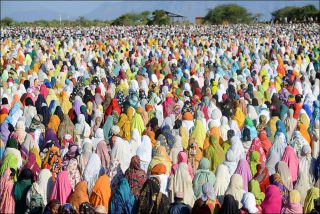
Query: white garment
121	152
92	171
144	152
135	141
222	181
45	185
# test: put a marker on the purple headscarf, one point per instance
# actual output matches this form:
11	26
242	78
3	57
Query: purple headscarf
76	106
243	169
4	132
50	135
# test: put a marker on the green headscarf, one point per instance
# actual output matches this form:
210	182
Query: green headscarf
12	143
202	175
254	161
214	153
248	122
10	161
254	188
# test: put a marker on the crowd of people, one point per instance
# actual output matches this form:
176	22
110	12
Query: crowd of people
150	119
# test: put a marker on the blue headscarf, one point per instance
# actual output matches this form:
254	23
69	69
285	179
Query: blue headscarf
281	128
123	200
107	128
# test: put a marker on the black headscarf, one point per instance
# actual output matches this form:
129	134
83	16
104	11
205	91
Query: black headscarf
44	111
40	100
28	102
149	196
59	113
230	205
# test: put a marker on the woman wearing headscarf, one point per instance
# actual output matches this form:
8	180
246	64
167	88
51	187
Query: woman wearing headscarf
239	117
7	202
250	125
74	174
297	142
92	171
262	176
313	193
290	158
14	114
181	181
281	129
122	200
83	158
290	123
103	152
182	158
24	138
29	111
206	202
230	205
304	131
33	166
284	172
265	142
202	175
65	103
306	177
144	152
176	149
161	156
135	176
243	169
21	189
222	181
234	154
235	188
254	188
54	123
224	128
11	155
80	127
121	152
135	141
151	200
214	153
44	112
62	188
254	161
272	202
257	146
294	205
80	195
66	127
199	133
249	204
101	192
45	185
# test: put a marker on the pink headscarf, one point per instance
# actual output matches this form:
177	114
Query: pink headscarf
102	152
257	146
7	202
32	165
62	188
243	169
273	201
44	91
291	159
182	158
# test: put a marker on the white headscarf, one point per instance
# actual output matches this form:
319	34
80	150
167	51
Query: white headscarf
249	202
224	128
92	171
236	188
145	152
222	181
45	185
121	152
135	141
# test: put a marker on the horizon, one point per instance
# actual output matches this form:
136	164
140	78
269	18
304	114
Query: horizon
109	10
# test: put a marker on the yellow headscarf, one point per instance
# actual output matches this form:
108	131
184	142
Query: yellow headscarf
199	133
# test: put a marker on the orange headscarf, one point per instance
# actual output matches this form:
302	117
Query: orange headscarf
101	192
54	123
304	132
80	195
158	169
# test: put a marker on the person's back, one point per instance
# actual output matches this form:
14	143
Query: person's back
178	207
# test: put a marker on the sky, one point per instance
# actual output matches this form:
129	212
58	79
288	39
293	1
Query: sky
108	10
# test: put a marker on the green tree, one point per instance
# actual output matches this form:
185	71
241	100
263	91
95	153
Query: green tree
132	19
230	13
159	17
7	21
295	13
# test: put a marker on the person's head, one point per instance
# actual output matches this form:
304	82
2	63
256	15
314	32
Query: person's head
26	174
178	196
66	209
230	134
208	192
13	173
54	206
86	208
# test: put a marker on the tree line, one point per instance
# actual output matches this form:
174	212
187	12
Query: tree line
227	13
